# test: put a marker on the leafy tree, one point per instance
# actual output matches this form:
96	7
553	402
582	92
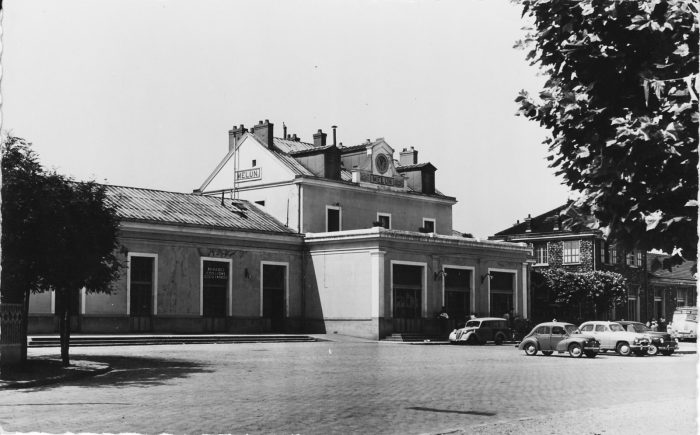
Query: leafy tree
584	294
621	103
65	236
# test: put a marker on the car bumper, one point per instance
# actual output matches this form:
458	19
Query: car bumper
667	345
683	334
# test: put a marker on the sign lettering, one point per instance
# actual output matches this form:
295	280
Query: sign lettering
249	174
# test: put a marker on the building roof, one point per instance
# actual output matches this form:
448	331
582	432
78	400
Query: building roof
291	146
401	168
681	272
157	206
543	223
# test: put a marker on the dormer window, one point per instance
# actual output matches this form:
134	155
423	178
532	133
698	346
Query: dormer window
381	163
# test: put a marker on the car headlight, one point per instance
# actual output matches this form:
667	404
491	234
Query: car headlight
661	341
636	341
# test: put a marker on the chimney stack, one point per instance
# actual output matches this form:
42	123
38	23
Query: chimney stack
234	135
334	127
408	157
528	224
320	139
264	132
284	130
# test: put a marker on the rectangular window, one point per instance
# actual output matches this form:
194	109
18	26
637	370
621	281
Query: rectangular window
639	258
541	253
632	309
612	250
428	225
571	251
603	253
333	219
141	285
384	220
215	276
630	259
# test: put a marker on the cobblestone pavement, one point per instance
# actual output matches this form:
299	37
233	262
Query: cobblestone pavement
359	387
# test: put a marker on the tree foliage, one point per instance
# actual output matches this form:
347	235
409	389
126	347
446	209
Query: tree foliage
621	103
57	234
596	291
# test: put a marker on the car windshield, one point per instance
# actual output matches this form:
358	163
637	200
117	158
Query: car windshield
616	327
472	324
636	327
570	329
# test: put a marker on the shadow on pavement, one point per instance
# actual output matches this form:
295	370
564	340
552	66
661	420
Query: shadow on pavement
130	371
451	411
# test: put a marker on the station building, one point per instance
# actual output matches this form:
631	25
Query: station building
292	236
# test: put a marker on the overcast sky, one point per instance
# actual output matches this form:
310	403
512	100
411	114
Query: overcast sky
143	92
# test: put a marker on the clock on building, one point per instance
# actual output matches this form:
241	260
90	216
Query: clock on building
381	162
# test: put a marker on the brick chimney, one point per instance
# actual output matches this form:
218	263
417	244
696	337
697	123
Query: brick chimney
408	157
320	139
528	224
264	132
234	135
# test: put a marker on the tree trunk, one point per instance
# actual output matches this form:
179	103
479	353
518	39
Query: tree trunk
64	326
25	325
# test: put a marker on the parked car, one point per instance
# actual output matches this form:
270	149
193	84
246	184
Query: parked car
482	330
561	337
659	341
612	336
684	325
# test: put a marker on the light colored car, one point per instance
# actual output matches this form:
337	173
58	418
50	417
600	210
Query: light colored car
561	337
481	330
684	325
612	336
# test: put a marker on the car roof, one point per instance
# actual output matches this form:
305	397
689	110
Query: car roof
628	322
554	324
599	322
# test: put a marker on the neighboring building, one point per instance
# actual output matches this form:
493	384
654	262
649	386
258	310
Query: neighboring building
302	237
669	288
556	246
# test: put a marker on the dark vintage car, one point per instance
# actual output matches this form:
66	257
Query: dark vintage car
482	330
561	337
659	341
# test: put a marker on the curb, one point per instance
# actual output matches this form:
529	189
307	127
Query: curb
70	376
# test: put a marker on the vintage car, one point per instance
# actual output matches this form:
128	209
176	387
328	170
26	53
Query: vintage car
482	330
659	341
561	337
612	336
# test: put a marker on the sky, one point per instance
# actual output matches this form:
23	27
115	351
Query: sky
143	92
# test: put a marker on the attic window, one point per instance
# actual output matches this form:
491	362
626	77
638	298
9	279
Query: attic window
255	162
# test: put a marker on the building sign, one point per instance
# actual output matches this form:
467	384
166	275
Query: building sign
380	179
249	174
215	271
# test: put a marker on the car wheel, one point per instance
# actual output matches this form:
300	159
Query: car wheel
591	354
653	350
575	350
530	349
472	340
667	352
499	339
547	352
623	348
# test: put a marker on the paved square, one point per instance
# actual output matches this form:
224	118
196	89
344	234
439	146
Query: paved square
359	387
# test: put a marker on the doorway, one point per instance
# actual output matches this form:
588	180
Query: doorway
141	284
407	286
274	284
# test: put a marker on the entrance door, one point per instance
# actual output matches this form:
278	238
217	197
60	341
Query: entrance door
501	286
214	288
407	297
457	288
274	281
141	293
